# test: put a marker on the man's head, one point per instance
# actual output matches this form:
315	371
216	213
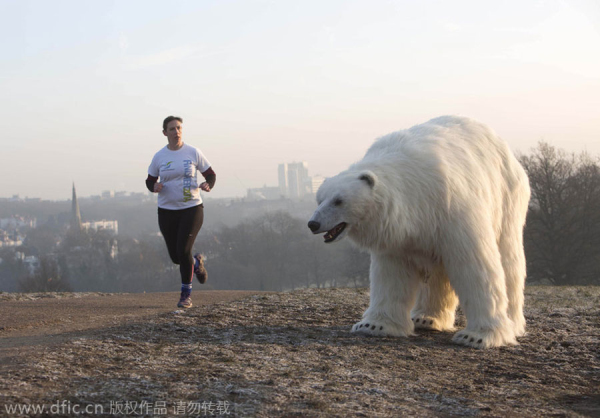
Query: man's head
170	119
172	127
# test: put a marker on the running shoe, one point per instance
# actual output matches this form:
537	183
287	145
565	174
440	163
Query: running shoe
199	269
185	301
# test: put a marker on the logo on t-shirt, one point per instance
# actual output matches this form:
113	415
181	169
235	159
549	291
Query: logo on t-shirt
167	166
187	180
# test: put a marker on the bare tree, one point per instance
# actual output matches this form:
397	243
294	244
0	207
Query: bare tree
278	232
47	278
562	235
11	268
276	251
356	266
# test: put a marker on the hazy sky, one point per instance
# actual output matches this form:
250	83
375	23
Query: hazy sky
85	85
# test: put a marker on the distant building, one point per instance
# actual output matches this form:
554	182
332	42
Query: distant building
75	213
293	182
16	222
10	239
315	183
112	226
298	179
12	230
282	175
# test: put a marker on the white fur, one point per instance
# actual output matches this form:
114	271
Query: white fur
441	208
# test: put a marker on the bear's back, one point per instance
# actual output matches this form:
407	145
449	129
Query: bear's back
443	131
450	141
453	156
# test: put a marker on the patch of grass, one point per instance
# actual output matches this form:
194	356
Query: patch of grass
159	346
226	359
317	404
550	298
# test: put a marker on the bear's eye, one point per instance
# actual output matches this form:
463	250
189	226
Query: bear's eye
337	202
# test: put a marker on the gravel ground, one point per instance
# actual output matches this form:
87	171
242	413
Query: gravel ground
49	295
292	354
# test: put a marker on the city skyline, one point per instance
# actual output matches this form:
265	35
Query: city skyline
300	185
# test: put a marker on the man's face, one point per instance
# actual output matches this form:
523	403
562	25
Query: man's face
174	131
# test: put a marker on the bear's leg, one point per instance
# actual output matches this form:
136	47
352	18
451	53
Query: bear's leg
393	293
436	303
513	262
472	260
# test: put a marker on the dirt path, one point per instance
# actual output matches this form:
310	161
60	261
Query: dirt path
43	321
291	354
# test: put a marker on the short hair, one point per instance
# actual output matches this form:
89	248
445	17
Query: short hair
169	119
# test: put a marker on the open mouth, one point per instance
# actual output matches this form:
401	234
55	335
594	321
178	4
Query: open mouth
334	232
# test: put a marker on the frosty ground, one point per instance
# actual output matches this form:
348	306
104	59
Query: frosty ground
292	354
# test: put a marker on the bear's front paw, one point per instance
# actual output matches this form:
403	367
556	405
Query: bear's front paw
484	339
379	328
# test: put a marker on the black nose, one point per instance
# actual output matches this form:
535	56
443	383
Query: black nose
314	226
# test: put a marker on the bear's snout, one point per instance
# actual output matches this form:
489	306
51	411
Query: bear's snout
314	226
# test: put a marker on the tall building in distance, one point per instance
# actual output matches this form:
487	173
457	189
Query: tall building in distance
297	180
75	213
315	183
282	175
293	183
77	224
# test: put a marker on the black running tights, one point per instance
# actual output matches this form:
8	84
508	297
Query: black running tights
180	228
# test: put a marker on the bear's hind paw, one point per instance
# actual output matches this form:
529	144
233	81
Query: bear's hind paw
378	329
429	322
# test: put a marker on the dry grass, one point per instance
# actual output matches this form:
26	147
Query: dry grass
291	354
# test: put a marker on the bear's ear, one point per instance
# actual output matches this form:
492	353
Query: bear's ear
369	178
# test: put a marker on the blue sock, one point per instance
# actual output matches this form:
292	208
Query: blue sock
186	288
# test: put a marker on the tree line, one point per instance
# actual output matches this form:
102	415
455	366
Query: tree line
562	234
274	251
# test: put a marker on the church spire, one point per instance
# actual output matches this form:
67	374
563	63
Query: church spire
75	214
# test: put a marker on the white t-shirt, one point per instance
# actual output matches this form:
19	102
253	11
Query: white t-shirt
178	173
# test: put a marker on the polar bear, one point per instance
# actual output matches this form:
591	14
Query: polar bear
441	208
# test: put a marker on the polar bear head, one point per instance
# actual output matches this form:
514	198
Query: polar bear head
345	201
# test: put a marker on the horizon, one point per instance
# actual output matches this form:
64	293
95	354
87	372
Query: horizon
99	195
145	192
259	83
